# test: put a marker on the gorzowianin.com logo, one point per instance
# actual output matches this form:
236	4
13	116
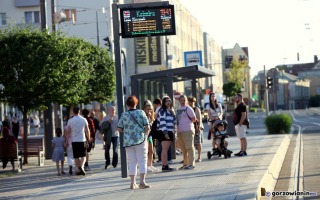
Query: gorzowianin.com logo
294	193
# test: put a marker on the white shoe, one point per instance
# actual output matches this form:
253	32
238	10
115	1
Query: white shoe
170	162
149	169
154	169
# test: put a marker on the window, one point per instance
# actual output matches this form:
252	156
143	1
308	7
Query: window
32	17
228	60
242	58
3	19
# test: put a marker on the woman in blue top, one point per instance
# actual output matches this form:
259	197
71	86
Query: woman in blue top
135	127
166	118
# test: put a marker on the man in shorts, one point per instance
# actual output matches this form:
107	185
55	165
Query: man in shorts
85	114
80	132
239	115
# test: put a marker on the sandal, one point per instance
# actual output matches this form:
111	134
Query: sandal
134	186
144	185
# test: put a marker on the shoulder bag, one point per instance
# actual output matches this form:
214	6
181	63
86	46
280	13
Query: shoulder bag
136	138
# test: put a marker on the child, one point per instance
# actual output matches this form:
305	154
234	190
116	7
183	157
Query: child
218	133
58	150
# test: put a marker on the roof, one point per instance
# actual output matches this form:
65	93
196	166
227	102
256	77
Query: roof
178	74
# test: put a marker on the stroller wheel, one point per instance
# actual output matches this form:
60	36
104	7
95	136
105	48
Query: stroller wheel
209	155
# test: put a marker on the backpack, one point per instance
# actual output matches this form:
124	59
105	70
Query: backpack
196	123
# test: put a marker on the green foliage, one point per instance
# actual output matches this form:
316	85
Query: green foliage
236	72
314	101
278	123
235	76
101	84
253	109
230	89
25	59
38	67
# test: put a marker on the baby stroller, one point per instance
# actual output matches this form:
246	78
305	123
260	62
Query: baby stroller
220	136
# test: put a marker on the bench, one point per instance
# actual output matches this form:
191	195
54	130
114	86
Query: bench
35	148
10	151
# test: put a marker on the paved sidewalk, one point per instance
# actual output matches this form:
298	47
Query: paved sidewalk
217	178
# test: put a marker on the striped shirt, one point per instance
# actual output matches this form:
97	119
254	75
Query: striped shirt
165	121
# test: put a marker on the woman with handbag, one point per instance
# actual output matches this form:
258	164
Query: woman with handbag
135	127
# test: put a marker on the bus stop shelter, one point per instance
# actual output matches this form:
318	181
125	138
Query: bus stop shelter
154	84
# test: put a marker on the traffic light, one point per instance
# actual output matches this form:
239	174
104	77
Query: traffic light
107	44
269	82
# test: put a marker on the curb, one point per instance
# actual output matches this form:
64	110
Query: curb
271	176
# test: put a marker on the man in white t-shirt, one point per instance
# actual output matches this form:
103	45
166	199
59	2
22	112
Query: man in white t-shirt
80	137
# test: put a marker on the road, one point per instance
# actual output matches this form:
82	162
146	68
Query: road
300	170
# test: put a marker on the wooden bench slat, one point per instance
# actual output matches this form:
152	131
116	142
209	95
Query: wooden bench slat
10	151
35	148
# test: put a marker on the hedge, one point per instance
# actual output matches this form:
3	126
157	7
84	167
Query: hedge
278	123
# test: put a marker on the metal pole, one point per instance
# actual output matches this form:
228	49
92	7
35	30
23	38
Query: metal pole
52	15
43	14
266	104
117	57
97	22
273	90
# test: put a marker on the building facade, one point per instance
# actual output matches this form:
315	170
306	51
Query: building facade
92	21
239	54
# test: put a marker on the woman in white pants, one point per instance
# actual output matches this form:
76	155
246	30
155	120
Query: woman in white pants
135	127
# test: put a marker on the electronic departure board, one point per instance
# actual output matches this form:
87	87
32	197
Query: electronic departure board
147	21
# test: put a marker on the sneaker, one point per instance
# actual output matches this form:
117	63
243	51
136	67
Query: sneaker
189	167
243	154
167	168
106	166
237	154
144	186
170	162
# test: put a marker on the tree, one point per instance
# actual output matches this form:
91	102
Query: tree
236	72
230	89
38	67
234	78
101	83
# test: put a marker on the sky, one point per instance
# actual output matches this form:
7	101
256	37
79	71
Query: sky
275	31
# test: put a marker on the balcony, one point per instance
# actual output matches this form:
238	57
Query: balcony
26	3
